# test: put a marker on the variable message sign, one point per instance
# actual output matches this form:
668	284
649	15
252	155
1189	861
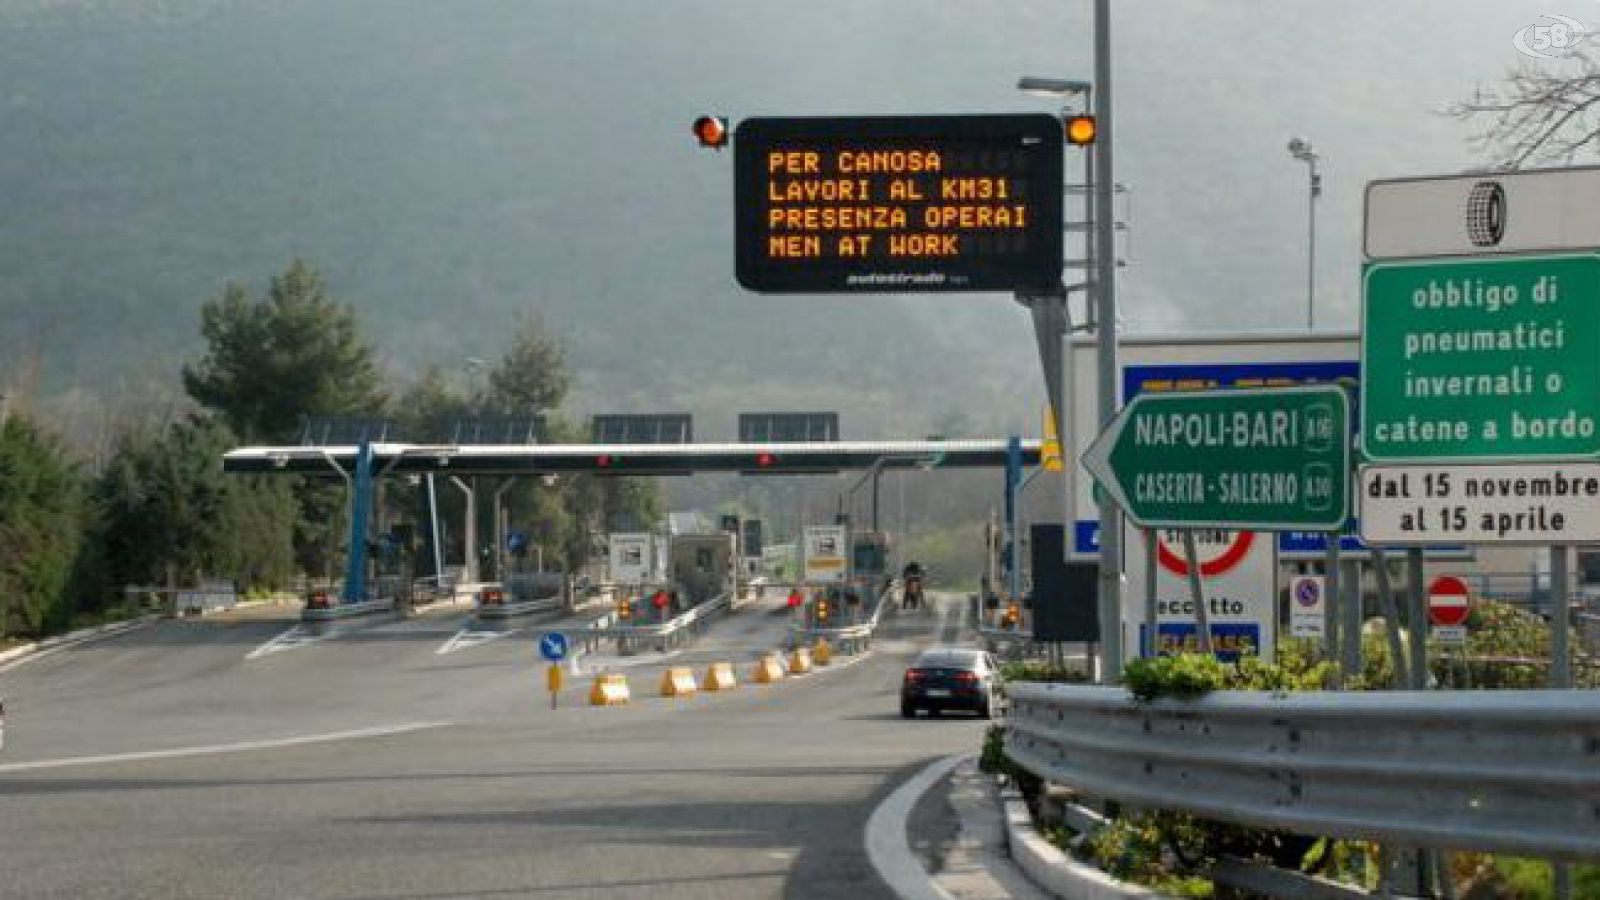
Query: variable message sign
1531	503
933	203
1487	359
1272	459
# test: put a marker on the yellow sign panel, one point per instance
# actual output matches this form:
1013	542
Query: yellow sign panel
1050	454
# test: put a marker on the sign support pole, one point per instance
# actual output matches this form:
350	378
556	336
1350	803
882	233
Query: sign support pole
1202	620
1104	256
1417	612
1391	617
1354	601
1330	598
1152	638
1560	667
1560	619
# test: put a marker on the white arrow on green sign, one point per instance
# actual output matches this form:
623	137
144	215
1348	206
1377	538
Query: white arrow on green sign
1263	460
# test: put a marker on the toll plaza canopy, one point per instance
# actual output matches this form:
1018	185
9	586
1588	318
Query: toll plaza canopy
629	459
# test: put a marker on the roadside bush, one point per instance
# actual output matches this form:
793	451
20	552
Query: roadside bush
1039	670
993	760
1182	676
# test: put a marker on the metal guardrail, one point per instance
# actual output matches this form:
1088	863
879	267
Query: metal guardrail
1499	771
337	610
673	631
846	638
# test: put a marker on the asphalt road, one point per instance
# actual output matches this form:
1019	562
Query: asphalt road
481	790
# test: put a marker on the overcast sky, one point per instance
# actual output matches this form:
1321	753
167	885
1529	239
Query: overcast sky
461	158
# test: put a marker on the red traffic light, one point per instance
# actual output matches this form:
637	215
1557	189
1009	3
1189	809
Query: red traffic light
711	131
766	460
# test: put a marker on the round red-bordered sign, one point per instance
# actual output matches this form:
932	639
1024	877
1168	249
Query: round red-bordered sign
1219	564
1448	601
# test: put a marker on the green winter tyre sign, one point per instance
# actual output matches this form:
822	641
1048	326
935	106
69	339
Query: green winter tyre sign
1487	359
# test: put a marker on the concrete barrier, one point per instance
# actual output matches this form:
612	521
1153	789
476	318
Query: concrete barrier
768	670
610	690
719	677
1055	871
821	654
678	682
800	661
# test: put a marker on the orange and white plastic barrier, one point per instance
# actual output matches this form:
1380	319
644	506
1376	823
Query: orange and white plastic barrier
678	682
768	670
610	690
719	677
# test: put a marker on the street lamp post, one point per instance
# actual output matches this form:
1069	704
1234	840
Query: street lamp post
1102	277
1301	149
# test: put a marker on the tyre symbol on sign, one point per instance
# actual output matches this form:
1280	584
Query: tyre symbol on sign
1486	214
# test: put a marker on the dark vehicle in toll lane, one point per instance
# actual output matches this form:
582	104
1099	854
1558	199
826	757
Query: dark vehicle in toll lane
951	678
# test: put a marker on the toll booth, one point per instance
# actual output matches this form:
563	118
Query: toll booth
869	559
703	566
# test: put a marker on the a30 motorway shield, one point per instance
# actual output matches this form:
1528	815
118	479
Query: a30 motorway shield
1266	460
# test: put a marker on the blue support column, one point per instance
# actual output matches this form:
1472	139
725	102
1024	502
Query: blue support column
355	572
1010	558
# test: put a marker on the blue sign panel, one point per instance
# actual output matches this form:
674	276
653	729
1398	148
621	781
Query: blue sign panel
553	646
1165	377
1229	640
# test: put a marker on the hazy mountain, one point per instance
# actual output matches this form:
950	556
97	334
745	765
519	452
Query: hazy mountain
449	165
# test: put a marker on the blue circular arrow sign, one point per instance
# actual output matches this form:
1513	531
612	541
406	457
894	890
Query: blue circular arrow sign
553	646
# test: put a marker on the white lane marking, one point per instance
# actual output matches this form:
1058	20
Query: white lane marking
470	637
599	663
46	649
241	747
837	666
298	636
887	842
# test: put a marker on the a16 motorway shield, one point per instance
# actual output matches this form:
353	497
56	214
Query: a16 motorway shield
1268	460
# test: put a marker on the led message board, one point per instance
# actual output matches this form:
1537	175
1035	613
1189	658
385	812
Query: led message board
906	204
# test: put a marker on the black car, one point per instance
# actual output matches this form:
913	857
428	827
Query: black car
951	678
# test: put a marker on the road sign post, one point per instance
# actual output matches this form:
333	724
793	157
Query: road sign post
1307	606
553	682
1197	592
553	647
1448	606
1274	459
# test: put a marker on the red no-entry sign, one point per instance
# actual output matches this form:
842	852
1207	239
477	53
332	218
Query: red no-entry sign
1447	601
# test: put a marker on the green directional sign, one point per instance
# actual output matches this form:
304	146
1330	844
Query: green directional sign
1263	460
1491	359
